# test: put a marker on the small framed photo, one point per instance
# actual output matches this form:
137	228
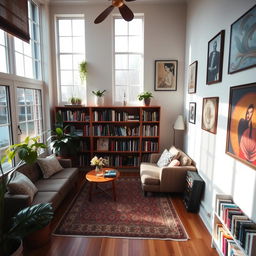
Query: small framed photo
192	77
210	114
192	112
103	144
215	58
166	75
241	131
243	42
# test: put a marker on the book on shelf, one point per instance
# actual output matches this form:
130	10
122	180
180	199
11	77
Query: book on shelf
219	201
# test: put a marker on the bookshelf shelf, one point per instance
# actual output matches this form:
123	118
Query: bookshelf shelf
233	232
125	135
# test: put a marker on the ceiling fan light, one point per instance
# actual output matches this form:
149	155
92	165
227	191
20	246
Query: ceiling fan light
117	3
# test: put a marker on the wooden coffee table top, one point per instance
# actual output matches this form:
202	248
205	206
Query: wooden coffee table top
91	176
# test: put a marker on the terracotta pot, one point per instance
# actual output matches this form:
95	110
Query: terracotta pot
147	101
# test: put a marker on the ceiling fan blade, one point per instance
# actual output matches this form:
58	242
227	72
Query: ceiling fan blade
126	12
104	14
130	0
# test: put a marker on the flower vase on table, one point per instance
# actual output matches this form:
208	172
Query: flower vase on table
98	163
98	170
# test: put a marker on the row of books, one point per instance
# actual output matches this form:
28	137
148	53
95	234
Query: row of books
150	130
226	244
149	145
84	160
110	130
150	116
241	227
77	115
113	115
145	158
124	145
84	146
114	160
80	131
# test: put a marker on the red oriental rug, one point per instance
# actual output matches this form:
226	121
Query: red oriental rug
131	216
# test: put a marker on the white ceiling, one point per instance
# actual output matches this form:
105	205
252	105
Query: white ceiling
105	1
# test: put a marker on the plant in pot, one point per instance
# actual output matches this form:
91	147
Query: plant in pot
146	96
83	70
75	101
29	219
99	97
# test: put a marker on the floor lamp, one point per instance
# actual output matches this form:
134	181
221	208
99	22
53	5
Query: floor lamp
178	125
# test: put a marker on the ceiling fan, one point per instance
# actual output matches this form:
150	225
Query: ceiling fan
125	11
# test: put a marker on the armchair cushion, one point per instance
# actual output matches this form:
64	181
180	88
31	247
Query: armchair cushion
164	159
174	162
184	159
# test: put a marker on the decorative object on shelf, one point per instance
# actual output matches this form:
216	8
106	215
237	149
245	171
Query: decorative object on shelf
210	114
192	77
75	101
178	125
166	75
99	97
29	219
103	144
83	70
241	131
98	163
124	10
124	100
192	112
243	42
146	96
215	58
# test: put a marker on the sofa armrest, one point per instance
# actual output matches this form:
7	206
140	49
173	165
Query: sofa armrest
154	157
65	163
172	179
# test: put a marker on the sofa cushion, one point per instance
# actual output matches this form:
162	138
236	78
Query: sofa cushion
67	173
56	185
20	184
184	159
47	197
175	152
49	166
174	162
150	174
32	171
164	159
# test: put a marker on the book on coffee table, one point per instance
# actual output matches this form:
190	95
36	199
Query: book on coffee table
110	174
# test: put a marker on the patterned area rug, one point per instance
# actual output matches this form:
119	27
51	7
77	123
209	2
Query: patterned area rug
131	216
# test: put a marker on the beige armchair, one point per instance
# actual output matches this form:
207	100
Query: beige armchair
165	179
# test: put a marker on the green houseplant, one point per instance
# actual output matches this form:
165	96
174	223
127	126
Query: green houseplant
75	101
31	218
146	96
83	70
99	97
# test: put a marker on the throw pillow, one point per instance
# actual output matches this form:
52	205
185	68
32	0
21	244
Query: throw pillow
174	162
49	166
184	159
20	184
164	159
175	152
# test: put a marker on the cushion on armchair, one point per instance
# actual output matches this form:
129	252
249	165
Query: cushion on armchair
184	159
164	159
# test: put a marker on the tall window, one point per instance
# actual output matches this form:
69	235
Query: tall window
3	52
71	52
5	123
29	112
128	58
27	56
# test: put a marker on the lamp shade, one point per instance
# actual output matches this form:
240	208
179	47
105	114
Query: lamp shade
179	123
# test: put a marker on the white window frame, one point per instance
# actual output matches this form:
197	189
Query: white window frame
114	16
57	47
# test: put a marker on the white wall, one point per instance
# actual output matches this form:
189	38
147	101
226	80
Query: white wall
222	173
165	26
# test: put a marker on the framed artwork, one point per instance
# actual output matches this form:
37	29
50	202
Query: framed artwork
102	144
210	114
192	77
192	112
166	75
241	131
243	42
215	58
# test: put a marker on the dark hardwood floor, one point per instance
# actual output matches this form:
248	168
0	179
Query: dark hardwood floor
199	243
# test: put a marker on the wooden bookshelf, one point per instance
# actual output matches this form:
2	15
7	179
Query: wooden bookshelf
126	135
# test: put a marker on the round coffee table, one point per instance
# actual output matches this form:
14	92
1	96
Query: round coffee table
93	179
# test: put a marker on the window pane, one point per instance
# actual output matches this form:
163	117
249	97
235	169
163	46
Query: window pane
3	115
31	129
121	61
133	92
120	91
23	135
77	79
65	27
66	61
135	61
3	64
28	67
135	27
19	64
4	136
77	59
78	27
121	44
78	44
21	96
65	44
66	93
27	49
121	27
18	45
135	44
29	113
122	77
66	77
134	77
22	113
2	37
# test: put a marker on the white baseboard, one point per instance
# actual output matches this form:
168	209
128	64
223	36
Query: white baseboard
205	218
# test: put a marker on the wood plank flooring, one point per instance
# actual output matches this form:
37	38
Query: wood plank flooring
198	245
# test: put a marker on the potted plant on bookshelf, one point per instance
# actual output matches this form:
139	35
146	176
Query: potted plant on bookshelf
146	96
99	97
29	219
83	70
75	101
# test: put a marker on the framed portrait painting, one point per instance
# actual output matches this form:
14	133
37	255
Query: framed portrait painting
243	42
192	112
241	131
192	77
210	114
166	75
215	58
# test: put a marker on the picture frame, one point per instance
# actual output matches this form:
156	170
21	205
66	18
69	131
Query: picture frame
166	75
192	77
242	42
241	129
215	58
103	144
210	114
192	112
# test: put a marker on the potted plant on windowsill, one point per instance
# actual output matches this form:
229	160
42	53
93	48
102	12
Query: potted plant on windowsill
146	96
29	219
99	97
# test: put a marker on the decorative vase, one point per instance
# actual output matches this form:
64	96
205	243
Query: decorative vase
99	101
147	101
98	170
